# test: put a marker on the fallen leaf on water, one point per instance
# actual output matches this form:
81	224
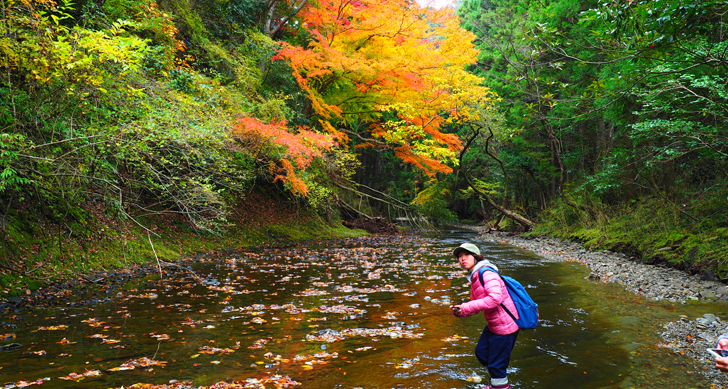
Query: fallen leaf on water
139	362
277	381
330	335
215	350
258	344
78	377
315	358
191	322
474	379
454	338
72	377
408	363
23	384
52	328
123	367
159	336
150	296
93	322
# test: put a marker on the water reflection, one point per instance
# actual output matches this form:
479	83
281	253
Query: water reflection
365	313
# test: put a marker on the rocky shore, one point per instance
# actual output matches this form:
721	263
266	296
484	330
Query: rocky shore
684	336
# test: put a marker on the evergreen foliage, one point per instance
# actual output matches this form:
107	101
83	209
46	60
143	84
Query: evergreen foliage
614	108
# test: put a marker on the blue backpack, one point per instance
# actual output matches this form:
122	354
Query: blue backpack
526	307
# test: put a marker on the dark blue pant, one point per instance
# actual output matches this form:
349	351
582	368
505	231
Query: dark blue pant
494	352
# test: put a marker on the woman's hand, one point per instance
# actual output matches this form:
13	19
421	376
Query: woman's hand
456	310
723	343
722	363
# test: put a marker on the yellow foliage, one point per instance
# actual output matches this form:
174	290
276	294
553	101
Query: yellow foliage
428	194
378	56
44	51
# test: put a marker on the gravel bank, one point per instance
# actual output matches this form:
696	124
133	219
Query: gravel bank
685	336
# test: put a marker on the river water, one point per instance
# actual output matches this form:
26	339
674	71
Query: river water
359	313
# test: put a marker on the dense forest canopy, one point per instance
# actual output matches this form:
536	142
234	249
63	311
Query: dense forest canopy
612	107
562	114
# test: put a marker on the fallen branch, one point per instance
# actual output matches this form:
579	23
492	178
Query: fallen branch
526	223
159	265
360	213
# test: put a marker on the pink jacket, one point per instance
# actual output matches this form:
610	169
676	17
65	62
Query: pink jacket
488	298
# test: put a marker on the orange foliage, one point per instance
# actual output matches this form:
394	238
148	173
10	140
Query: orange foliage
425	159
390	51
301	147
366	57
428	165
287	174
432	127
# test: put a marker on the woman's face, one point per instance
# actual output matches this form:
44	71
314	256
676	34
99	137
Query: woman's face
467	260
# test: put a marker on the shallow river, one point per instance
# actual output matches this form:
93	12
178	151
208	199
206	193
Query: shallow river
366	313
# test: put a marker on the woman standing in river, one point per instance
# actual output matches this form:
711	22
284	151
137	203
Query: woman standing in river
499	336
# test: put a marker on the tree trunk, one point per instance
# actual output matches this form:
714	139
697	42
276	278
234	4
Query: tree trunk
555	153
527	224
268	26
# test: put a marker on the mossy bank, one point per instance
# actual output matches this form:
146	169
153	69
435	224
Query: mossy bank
651	230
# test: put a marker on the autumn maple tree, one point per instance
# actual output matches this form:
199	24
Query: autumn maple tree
389	73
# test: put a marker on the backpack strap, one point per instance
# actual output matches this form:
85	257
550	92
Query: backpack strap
480	277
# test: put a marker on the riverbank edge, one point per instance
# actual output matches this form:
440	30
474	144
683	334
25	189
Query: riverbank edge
93	264
684	336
